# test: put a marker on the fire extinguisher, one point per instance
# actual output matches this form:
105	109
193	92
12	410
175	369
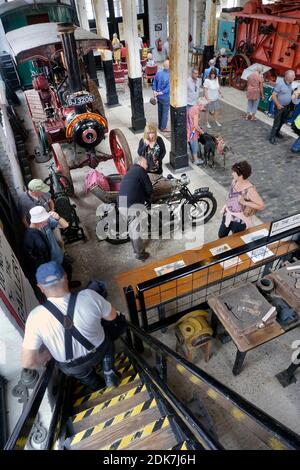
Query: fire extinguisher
158	44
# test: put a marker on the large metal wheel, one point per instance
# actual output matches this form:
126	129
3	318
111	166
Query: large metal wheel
63	167
238	64
120	151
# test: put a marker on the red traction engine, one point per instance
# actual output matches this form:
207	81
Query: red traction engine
267	34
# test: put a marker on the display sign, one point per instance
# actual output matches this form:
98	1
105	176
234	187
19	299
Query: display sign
11	282
158	27
284	225
79	99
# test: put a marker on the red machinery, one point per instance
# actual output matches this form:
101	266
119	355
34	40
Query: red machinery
267	34
64	106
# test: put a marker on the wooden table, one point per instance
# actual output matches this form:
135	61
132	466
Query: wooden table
254	340
178	288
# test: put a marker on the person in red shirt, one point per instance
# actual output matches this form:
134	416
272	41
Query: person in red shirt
123	52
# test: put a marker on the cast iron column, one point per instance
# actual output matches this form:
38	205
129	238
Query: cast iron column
178	38
135	81
102	30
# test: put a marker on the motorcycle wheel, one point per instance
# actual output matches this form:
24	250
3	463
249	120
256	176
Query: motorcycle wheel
113	236
204	208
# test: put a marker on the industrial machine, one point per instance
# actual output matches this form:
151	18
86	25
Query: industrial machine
65	105
267	34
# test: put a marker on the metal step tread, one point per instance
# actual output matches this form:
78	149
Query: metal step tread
92	434
163	439
142	426
107	409
95	398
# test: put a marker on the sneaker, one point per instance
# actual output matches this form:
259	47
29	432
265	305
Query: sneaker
200	162
272	140
143	257
218	124
208	126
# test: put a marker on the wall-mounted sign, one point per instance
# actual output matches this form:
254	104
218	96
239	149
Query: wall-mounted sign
284	225
158	27
140	26
15	293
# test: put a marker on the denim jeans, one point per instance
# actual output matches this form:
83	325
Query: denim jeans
233	227
163	114
296	145
252	106
83	368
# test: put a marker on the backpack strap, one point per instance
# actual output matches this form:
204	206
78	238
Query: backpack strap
67	322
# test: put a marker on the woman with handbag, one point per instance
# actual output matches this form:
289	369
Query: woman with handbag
152	147
242	203
117	48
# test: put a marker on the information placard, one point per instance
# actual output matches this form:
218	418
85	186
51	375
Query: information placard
284	225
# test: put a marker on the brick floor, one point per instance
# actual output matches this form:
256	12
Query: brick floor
275	168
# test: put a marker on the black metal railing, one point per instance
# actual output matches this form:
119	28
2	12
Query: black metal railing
21	432
274	434
189	424
162	300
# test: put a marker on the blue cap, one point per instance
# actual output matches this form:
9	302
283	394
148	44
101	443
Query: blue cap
49	274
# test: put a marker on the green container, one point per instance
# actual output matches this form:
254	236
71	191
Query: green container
264	104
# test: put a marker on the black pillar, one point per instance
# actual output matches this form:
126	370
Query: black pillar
90	64
178	154
111	91
138	119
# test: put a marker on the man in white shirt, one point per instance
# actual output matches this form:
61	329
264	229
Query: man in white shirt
68	329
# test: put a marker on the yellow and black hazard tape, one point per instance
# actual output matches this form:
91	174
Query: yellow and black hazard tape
136	410
120	359
127	368
146	431
99	393
182	446
107	404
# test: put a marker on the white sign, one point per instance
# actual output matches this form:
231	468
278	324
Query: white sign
283	225
12	282
252	69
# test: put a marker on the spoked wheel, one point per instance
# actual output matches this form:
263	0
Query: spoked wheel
203	209
63	168
239	63
120	151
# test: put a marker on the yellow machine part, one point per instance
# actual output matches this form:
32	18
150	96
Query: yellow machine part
192	327
81	117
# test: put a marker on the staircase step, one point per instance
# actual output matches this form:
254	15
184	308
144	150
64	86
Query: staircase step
108	409
90	436
124	369
133	429
161	440
93	399
182	446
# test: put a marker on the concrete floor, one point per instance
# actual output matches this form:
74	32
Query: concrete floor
100	260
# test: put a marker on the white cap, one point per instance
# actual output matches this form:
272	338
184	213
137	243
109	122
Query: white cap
38	214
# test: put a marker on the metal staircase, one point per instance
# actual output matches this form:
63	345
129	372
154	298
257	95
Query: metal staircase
129	417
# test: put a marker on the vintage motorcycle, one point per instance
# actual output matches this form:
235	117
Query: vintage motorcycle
173	194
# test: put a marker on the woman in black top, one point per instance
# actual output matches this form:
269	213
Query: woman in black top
152	147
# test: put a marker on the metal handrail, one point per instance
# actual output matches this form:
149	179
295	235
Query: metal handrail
213	260
290	439
21	432
190	423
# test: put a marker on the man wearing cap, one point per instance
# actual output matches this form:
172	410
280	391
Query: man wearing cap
67	327
40	243
36	195
212	65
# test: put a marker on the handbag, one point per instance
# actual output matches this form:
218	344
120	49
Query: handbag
249	211
114	329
